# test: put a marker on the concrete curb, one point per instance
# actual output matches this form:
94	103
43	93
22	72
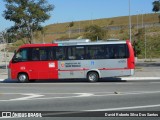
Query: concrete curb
1	80
139	78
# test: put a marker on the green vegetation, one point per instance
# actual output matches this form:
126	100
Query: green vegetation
156	7
94	32
27	16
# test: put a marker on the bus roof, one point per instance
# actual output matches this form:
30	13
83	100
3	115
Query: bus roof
93	43
75	43
72	41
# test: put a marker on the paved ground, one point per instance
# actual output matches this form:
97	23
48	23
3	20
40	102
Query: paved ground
71	98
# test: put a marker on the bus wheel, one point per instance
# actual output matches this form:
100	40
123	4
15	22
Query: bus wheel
23	78
92	76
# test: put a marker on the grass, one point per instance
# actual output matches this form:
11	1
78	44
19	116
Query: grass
117	21
60	31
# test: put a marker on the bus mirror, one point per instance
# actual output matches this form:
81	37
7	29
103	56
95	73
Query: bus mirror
15	51
15	61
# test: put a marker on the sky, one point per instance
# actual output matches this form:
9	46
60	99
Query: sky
78	10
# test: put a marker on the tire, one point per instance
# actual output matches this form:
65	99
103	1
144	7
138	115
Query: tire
23	78
92	76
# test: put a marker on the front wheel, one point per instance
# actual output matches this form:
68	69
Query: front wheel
92	76
23	78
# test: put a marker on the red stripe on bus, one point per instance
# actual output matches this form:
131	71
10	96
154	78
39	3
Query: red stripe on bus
114	69
75	70
97	69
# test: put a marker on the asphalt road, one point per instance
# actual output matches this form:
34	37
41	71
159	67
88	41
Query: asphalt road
75	97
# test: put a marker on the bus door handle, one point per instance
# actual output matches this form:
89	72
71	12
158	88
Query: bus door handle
30	70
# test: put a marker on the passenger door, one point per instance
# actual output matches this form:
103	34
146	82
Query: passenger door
42	63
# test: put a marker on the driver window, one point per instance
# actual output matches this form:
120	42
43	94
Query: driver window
21	55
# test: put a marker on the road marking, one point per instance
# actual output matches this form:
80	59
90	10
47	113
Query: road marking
40	96
81	95
29	96
84	94
126	108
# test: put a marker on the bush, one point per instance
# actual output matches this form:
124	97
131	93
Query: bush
94	32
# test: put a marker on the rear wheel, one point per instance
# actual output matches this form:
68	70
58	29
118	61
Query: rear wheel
92	76
23	78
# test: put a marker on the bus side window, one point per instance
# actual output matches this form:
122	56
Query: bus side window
51	55
43	54
60	53
111	52
35	54
79	52
106	53
122	51
118	51
115	51
100	52
88	56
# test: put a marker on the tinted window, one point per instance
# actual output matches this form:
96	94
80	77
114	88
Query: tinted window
42	54
61	53
21	55
110	51
75	53
95	52
118	51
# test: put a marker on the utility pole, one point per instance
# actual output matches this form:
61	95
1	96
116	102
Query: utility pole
79	27
4	50
69	32
145	43
137	20
130	32
142	19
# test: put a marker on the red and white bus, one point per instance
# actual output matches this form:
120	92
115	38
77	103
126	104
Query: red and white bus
73	59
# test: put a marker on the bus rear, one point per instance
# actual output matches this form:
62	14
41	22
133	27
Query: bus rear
131	58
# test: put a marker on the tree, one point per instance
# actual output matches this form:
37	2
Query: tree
27	16
137	49
156	7
71	24
10	36
139	42
94	32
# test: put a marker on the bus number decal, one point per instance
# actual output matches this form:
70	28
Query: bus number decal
51	65
122	61
92	62
22	68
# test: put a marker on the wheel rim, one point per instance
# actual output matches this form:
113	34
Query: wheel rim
22	78
92	77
